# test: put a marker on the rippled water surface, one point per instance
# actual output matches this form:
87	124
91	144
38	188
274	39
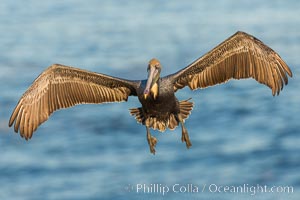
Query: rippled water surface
241	135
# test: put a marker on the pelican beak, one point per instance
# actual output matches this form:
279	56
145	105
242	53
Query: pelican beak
146	92
146	96
152	73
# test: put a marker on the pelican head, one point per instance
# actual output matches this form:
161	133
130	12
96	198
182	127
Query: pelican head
154	68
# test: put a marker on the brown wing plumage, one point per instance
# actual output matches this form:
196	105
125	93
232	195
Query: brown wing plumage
62	87
240	56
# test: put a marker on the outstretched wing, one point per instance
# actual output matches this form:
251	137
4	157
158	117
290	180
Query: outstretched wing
240	56
62	87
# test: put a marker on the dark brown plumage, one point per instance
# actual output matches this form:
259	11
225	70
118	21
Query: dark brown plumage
240	56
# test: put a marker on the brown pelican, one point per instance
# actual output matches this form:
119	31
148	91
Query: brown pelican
240	56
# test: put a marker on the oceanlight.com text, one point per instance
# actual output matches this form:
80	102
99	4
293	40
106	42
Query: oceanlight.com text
164	189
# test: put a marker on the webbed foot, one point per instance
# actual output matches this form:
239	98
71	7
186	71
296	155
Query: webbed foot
185	138
185	135
151	141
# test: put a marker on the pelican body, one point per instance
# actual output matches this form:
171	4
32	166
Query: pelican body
238	57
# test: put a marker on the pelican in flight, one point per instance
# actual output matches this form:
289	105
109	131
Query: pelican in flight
238	57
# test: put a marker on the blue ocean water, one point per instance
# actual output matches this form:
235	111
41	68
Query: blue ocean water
241	135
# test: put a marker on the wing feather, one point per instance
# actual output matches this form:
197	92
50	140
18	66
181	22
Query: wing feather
61	87
240	56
